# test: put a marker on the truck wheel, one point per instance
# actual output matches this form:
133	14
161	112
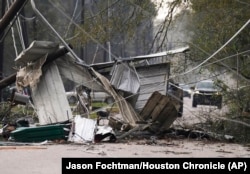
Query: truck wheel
194	103
219	105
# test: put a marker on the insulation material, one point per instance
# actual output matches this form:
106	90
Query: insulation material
127	111
29	75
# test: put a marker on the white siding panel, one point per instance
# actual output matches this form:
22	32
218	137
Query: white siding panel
80	75
49	97
152	78
84	130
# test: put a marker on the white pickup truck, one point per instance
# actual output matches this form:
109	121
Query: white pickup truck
95	97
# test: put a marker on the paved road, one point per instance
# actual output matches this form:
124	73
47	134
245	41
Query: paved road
201	113
46	159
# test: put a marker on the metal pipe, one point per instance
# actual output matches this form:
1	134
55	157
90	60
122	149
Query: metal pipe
61	39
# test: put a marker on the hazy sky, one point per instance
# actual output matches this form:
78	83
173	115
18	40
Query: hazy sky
162	12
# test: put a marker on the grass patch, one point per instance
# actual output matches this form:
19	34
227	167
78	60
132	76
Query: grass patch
99	105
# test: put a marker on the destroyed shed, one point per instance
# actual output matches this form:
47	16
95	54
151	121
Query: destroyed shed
139	90
134	83
134	87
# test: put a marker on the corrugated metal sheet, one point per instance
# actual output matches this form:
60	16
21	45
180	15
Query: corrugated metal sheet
35	51
152	78
49	97
84	130
80	75
48	94
164	53
125	78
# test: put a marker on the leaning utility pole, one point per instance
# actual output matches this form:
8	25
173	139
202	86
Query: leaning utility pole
10	14
3	4
6	18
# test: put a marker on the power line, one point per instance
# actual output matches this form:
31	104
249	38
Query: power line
242	2
61	39
84	31
72	18
227	57
217	50
223	64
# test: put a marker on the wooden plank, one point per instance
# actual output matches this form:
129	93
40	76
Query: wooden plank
161	104
162	111
171	117
151	103
136	128
22	147
166	112
165	119
145	94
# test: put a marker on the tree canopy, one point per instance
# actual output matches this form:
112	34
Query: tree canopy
214	23
123	23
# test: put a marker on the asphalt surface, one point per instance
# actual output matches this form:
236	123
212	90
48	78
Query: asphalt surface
47	158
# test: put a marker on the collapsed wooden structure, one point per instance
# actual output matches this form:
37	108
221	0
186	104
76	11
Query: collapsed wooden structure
139	89
151	104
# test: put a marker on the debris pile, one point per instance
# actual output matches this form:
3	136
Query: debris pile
139	93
